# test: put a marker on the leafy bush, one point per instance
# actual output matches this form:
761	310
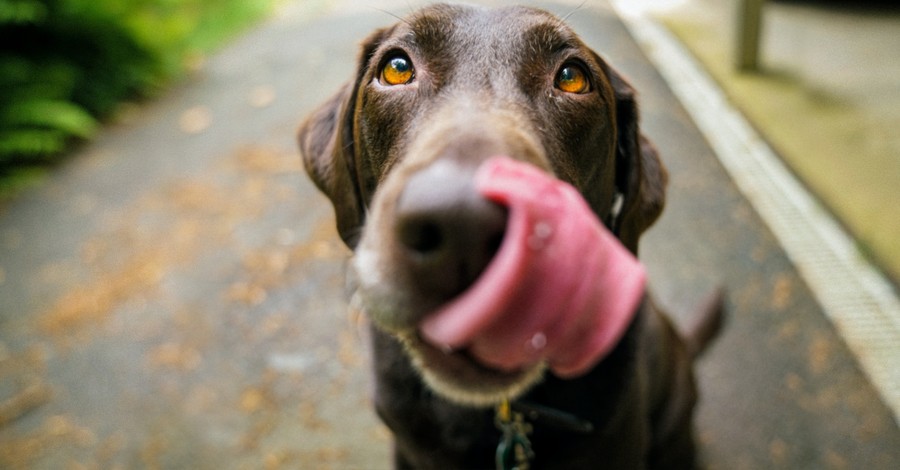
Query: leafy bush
66	64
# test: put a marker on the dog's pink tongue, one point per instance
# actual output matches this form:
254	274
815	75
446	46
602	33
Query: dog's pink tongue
560	289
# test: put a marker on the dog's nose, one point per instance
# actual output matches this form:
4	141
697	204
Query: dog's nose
447	233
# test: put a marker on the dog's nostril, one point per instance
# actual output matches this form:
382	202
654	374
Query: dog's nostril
494	241
445	232
423	237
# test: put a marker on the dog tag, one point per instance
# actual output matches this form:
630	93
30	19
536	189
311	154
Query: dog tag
514	450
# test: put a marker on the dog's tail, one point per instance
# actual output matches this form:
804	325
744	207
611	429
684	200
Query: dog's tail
705	322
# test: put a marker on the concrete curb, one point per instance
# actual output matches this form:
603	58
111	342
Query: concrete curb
856	297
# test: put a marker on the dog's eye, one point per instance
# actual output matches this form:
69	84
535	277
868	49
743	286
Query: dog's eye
573	79
398	70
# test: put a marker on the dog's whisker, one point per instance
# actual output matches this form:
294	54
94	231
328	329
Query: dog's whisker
567	15
393	15
356	308
410	7
357	317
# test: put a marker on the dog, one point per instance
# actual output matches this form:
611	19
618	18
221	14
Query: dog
396	150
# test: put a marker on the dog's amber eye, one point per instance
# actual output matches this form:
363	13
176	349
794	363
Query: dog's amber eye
398	70
573	79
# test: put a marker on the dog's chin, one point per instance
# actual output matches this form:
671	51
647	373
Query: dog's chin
459	378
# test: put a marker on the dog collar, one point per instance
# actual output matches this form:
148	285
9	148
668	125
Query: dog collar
514	422
514	449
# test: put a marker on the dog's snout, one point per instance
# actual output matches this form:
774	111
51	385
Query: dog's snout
446	232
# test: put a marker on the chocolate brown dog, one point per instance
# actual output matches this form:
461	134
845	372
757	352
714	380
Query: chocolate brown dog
396	150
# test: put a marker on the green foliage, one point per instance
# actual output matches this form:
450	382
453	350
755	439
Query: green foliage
66	64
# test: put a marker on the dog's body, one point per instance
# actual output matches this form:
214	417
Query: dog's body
640	399
395	151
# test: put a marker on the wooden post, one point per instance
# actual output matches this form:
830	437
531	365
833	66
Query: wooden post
749	27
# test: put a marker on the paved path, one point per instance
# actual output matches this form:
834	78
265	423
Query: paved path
174	296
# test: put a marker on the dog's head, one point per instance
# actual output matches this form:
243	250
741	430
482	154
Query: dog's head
397	147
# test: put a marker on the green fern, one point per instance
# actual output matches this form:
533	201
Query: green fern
24	146
52	114
63	65
21	12
66	64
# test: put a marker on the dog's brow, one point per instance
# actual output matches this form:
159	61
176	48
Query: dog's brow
547	38
428	30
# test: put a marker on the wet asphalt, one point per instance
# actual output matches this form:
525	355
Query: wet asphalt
174	296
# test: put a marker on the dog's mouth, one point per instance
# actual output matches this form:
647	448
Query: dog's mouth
461	377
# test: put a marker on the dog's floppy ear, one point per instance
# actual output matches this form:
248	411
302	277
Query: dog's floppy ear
330	162
641	177
329	152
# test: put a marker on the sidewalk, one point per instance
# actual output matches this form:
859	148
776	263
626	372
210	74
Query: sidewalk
174	296
826	98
